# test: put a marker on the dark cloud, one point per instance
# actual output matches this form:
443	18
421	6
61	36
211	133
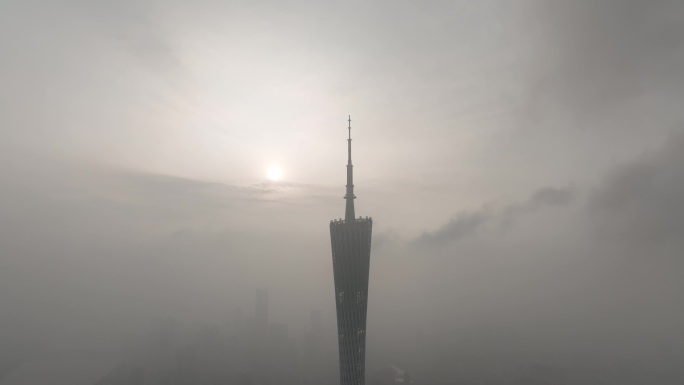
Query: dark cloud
463	225
640	203
467	223
551	196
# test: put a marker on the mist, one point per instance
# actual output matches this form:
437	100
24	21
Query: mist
522	162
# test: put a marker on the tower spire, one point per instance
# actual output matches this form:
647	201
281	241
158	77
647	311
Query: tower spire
350	241
349	213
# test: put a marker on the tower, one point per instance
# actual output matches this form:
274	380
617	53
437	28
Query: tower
351	241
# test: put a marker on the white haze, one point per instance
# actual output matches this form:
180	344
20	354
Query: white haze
522	161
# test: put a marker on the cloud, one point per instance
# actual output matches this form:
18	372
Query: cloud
467	223
116	241
640	203
596	54
551	196
95	210
137	27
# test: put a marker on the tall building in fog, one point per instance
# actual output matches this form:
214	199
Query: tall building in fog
259	327
315	323
261	312
351	241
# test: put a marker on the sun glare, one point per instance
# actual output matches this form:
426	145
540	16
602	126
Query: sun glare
274	173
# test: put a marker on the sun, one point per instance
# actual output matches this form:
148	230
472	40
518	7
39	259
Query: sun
274	173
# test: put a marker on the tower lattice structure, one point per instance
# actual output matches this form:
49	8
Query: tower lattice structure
351	242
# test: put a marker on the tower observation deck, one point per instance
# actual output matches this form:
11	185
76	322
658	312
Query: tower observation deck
351	241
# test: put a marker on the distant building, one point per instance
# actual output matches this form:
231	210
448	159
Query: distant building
351	241
259	328
261	312
315	323
67	366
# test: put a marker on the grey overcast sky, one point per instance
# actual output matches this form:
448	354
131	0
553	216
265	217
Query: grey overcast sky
518	157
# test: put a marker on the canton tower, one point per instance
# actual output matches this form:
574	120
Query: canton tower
351	242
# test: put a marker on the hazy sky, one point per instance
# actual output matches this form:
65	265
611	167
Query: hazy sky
522	160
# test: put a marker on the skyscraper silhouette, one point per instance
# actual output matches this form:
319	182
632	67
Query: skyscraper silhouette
261	311
351	241
260	325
